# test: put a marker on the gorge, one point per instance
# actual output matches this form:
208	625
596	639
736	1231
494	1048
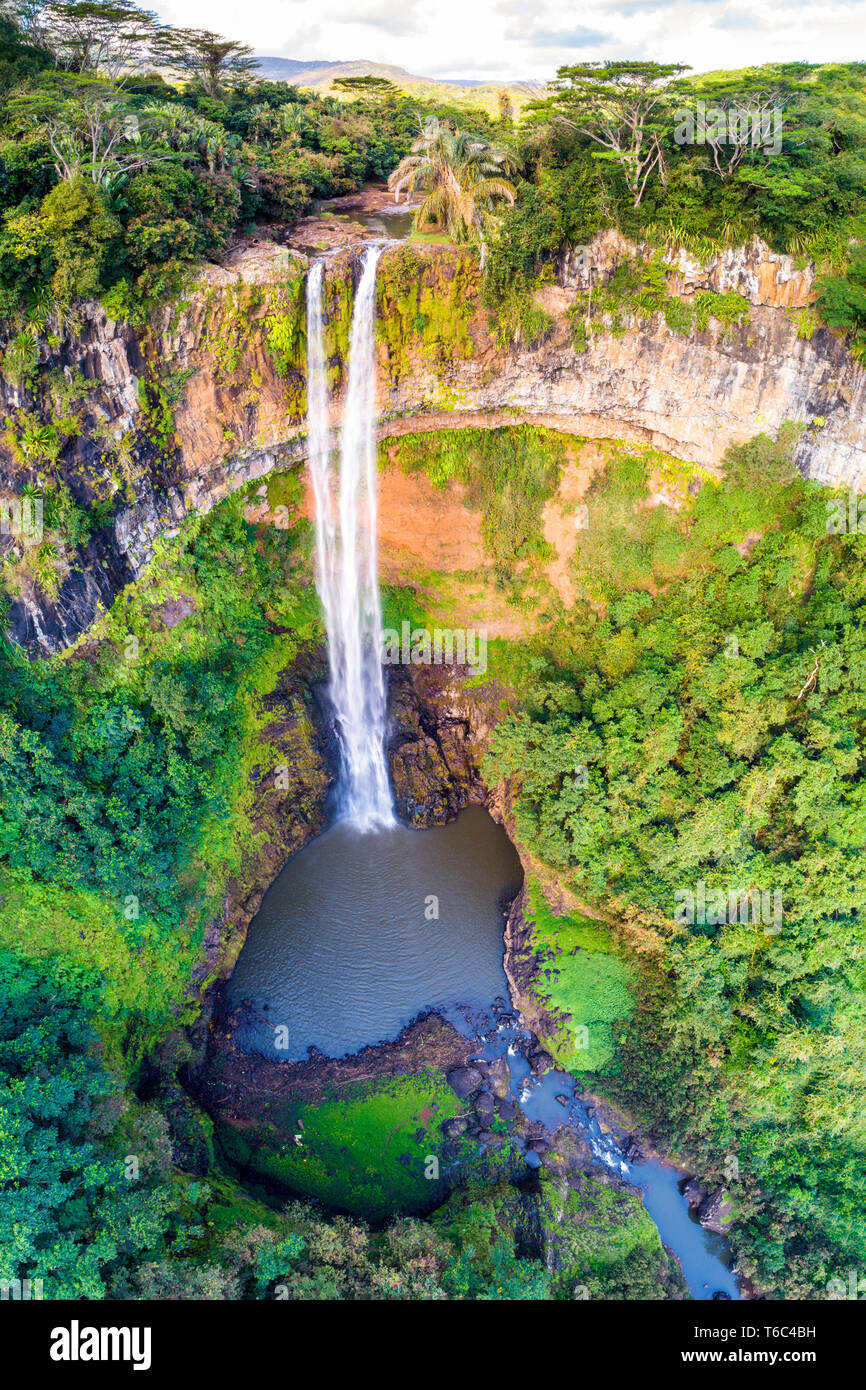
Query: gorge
237	414
364	932
432	681
228	498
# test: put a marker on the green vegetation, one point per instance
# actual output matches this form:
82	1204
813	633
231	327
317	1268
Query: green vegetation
56	1099
365	1151
423	308
509	474
628	543
605	1245
597	1241
622	144
693	725
637	291
118	178
464	178
126	777
719	724
95	1205
583	980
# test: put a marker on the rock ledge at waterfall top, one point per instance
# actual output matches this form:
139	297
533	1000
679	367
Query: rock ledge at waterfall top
238	419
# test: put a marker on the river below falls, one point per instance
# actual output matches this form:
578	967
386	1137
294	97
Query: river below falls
361	932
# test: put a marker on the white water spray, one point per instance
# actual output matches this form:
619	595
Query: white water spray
346	554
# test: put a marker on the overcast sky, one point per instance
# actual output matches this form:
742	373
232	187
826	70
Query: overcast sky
495	40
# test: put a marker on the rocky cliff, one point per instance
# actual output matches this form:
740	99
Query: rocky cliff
145	427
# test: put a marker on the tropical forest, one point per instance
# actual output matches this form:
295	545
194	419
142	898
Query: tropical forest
432	660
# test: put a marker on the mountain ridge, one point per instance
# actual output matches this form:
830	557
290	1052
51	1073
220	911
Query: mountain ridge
322	72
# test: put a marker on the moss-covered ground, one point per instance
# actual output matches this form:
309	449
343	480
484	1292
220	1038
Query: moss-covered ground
373	1149
583	979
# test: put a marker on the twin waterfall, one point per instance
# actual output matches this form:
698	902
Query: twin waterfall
346	553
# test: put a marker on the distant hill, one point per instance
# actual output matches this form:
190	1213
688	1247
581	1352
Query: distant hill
471	91
284	69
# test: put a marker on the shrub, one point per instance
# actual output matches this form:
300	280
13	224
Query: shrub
83	236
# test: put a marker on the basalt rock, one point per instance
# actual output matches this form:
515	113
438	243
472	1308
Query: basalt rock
497	1077
484	1106
695	1193
234	422
464	1081
540	1062
633	1150
435	744
715	1211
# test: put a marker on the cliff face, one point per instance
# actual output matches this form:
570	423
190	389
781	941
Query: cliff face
173	420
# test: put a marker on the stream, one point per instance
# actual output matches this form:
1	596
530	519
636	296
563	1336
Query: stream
392	223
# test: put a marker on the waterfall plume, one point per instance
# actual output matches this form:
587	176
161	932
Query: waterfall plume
347	554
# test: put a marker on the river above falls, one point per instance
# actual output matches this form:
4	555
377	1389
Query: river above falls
362	932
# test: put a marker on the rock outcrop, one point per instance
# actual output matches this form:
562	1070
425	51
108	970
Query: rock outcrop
173	420
439	732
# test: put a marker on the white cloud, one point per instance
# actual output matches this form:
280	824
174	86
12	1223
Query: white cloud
495	40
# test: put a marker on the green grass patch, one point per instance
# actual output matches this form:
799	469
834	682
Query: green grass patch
366	1151
583	979
430	238
133	984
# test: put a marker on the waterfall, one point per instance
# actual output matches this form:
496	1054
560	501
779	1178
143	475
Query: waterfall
346	554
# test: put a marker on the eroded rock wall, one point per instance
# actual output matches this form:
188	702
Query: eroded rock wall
235	409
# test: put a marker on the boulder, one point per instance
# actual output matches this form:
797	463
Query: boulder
174	610
633	1150
463	1080
715	1212
695	1193
484	1106
497	1075
540	1062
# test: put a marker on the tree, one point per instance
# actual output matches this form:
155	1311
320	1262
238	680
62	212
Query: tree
27	16
208	57
378	88
112	37
731	116
186	130
621	106
465	177
842	300
278	122
91	131
69	1213
81	233
20	54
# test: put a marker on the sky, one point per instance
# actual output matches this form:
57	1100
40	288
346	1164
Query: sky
498	40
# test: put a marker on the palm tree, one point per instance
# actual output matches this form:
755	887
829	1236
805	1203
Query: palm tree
464	177
185	130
